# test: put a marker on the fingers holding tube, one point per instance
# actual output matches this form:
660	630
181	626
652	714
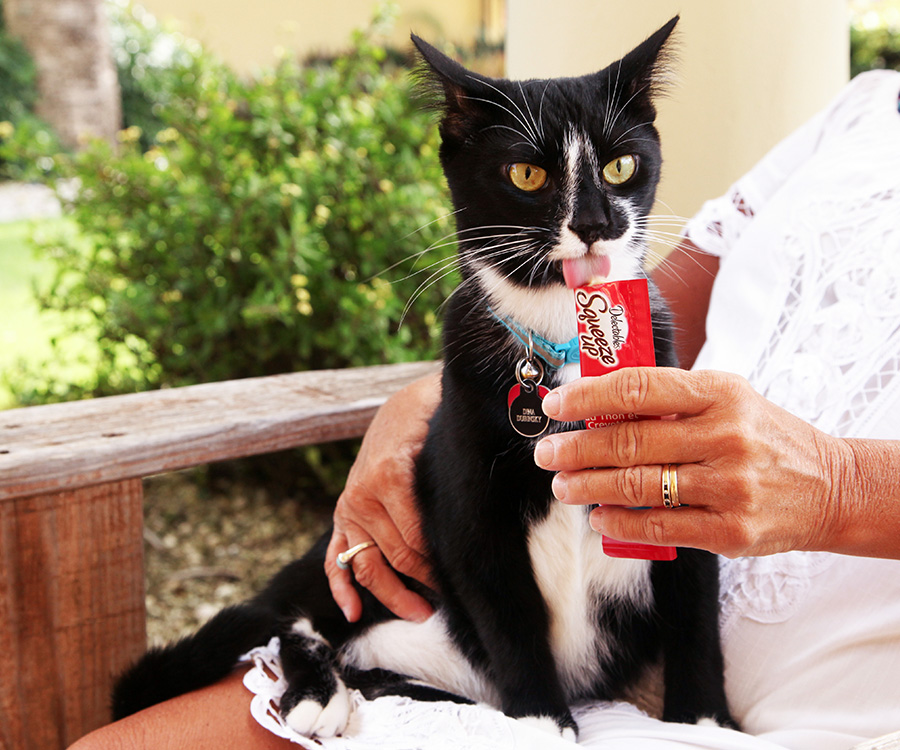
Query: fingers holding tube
631	486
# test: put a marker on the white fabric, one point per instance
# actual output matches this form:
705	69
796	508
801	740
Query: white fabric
807	300
401	723
807	306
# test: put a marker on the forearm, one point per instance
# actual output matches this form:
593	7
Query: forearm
866	499
685	279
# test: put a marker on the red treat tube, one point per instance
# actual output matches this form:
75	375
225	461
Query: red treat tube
615	331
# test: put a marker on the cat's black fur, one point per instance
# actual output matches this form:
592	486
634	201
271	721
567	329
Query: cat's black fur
494	532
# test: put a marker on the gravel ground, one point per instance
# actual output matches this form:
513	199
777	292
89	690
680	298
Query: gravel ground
207	549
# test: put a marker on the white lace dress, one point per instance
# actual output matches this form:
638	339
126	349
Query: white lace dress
807	306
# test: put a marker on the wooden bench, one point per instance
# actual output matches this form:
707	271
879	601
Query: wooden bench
71	521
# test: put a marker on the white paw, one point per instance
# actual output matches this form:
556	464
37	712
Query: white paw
546	724
311	719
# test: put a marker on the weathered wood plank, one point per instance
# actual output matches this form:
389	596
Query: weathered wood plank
65	446
71	610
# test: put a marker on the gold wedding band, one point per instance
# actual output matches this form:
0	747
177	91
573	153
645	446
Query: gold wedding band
670	486
344	558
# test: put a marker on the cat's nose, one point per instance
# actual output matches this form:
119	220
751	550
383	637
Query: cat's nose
597	224
594	218
587	232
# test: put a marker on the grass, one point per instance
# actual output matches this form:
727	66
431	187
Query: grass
24	336
25	332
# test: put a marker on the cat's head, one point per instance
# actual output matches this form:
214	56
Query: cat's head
551	179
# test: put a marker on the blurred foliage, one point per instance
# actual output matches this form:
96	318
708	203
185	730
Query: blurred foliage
17	76
874	47
291	221
147	56
259	232
26	142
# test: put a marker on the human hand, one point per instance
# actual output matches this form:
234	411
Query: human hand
378	505
757	479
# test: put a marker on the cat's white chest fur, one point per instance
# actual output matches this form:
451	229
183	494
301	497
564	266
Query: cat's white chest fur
573	573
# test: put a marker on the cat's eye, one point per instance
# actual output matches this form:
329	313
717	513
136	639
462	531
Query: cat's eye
527	177
620	170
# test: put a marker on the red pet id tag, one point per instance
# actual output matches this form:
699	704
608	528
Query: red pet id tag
524	400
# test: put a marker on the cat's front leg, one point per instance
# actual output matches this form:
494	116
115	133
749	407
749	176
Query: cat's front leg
480	493
497	616
513	638
686	592
316	702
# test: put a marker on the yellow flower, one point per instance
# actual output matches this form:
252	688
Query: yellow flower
168	135
130	135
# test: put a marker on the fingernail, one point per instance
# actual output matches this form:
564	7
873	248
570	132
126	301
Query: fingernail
346	611
595	519
559	487
551	404
544	452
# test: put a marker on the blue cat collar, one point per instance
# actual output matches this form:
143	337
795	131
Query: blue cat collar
555	355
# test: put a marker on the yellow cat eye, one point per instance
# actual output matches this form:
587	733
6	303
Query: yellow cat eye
620	170
527	177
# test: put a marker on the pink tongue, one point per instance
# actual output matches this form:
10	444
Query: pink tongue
588	268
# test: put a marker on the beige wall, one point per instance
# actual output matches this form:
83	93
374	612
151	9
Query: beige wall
246	33
749	73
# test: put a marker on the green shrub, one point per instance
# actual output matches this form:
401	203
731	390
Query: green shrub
26	142
873	48
260	231
148	59
17	76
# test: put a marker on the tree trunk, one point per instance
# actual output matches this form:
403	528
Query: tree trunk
77	83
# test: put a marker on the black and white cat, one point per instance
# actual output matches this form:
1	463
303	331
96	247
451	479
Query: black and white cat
552	181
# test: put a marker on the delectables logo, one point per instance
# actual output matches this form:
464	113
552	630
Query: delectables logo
603	328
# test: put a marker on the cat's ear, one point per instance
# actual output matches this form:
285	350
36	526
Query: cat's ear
461	92
647	69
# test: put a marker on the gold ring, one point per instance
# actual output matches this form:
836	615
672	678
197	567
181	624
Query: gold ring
670	486
344	558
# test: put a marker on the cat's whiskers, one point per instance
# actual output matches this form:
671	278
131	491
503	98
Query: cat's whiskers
444	267
622	138
536	127
538	270
637	141
442	217
530	132
624	107
524	142
448	240
541	108
612	98
446	270
522	119
442	264
507	278
651	231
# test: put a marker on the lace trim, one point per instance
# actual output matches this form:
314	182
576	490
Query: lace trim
719	224
839	331
833	356
767	589
408	723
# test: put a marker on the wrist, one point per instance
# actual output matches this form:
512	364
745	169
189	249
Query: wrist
864	505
